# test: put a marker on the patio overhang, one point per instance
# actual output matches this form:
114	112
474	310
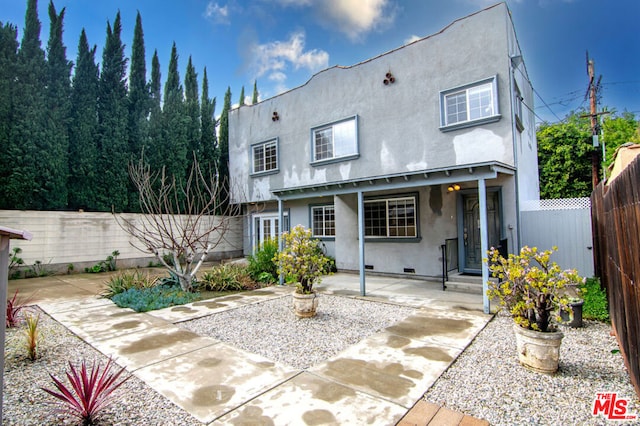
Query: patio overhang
409	179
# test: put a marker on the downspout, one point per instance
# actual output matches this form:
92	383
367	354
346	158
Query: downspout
514	131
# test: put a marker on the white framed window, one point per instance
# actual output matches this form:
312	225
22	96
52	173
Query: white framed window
469	105
265	157
391	217
335	141
323	221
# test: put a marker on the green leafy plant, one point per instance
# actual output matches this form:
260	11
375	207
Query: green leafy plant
38	269
32	336
14	306
227	277
261	264
107	265
14	263
90	390
70	268
301	260
127	280
531	286
151	299
596	306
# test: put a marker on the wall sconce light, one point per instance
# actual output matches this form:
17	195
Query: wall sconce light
275	116
453	187
389	79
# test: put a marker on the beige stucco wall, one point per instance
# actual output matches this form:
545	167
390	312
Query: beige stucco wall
81	238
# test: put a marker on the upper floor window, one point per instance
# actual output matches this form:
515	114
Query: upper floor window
335	141
323	220
391	218
517	106
265	156
469	105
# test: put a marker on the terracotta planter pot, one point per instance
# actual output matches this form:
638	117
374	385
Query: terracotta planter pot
305	305
538	351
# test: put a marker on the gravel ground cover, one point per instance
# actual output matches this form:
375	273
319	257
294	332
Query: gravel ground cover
487	381
272	330
26	404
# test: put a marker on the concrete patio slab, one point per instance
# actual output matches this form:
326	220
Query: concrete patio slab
106	322
390	367
213	381
151	346
74	303
308	399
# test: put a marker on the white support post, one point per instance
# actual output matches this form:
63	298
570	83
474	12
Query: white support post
361	241
280	239
482	196
4	284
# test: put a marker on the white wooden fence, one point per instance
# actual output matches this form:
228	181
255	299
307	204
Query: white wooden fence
565	223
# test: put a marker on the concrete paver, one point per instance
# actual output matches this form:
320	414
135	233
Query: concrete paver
376	381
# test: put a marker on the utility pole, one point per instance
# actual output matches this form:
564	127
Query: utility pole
592	93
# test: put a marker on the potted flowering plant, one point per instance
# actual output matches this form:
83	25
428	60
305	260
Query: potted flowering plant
531	288
302	262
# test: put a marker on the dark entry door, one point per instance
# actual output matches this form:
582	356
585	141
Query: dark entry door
471	229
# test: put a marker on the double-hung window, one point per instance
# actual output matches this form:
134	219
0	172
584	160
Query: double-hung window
469	105
335	141
391	217
265	157
323	220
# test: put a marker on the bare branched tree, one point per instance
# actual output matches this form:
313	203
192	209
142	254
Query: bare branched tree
181	221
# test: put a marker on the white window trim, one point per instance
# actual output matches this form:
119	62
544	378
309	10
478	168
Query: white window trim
263	145
323	207
333	159
445	127
414	198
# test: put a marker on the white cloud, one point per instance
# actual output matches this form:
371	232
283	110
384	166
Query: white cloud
411	39
216	13
355	18
276	58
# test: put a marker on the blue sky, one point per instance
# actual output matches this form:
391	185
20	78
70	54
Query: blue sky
282	43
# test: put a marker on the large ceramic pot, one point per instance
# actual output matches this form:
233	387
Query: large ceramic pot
538	351
305	305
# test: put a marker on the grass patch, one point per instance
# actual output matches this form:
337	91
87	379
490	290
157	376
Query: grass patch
596	306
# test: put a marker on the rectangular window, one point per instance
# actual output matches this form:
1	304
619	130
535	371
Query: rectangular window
323	219
265	157
391	218
336	140
473	103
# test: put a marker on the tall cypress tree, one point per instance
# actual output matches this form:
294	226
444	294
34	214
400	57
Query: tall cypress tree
223	162
112	115
29	118
8	73
254	100
174	145
83	129
241	101
139	103
192	111
208	140
53	153
153	146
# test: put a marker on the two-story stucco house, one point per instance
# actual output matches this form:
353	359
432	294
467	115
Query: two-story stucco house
386	159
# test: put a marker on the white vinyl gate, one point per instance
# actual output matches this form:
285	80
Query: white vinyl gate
565	223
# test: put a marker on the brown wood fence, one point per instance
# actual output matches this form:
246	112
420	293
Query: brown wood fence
616	225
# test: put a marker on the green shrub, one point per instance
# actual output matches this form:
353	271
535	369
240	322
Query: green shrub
128	280
150	299
595	306
15	262
262	268
227	277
